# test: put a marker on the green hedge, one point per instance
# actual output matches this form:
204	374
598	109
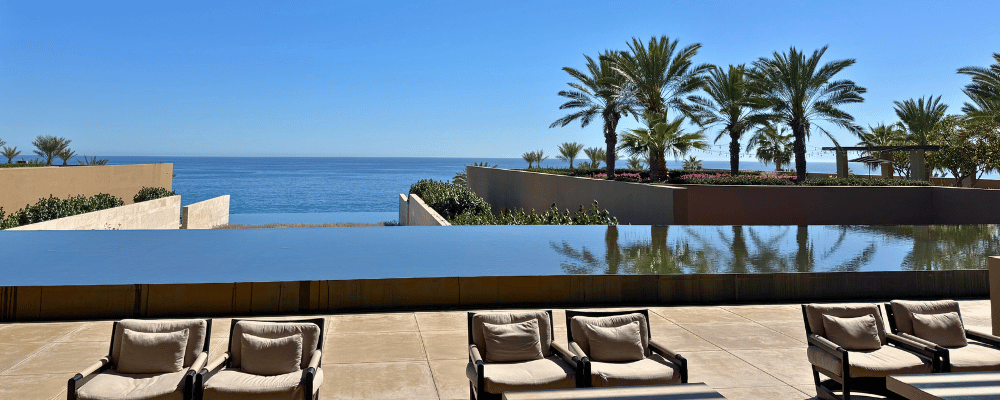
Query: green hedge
54	208
151	193
858	181
24	165
448	199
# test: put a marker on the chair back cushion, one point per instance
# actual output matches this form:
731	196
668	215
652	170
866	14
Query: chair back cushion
815	313
581	337
943	329
615	344
859	333
501	318
273	330
270	357
903	311
152	353
197	330
512	342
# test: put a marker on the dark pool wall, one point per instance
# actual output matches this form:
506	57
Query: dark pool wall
39	303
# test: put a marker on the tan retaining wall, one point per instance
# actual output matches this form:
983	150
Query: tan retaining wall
153	214
32	303
404	210
23	186
206	214
419	213
631	203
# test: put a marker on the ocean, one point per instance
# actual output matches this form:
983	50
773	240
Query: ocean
332	185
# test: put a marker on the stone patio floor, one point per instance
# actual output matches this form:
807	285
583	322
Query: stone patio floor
745	352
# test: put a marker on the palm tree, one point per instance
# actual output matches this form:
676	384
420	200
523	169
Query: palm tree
799	91
636	162
49	147
772	145
730	104
568	152
529	157
984	91
2	142
883	135
657	79
10	153
657	141
65	155
920	117
692	164
597	93
596	154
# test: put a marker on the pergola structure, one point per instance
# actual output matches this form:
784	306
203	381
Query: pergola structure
918	164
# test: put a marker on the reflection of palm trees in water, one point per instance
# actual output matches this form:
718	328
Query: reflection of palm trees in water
637	257
944	247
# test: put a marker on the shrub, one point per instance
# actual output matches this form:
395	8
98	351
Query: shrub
54	208
623	177
152	193
858	181
448	199
32	163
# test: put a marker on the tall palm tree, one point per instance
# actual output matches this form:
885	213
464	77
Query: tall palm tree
568	152
920	117
772	145
10	153
799	92
730	104
596	154
598	92
49	147
65	155
984	91
657	79
661	138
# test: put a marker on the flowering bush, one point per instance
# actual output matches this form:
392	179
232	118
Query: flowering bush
623	177
703	176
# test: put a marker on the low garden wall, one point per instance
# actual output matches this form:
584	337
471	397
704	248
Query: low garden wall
206	214
23	186
160	213
418	213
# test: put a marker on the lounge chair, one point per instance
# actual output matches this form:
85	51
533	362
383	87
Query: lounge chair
617	350
939	324
514	351
146	360
849	345
266	359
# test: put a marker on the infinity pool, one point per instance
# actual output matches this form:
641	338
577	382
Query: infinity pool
46	258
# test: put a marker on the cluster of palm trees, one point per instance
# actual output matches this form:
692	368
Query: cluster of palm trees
570	151
49	148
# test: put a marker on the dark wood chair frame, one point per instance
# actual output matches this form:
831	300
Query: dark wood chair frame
308	374
847	383
477	390
942	358
674	357
189	377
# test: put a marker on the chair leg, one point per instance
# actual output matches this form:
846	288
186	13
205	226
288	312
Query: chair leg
472	392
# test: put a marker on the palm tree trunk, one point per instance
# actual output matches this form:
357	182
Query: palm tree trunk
800	151
611	139
657	166
734	154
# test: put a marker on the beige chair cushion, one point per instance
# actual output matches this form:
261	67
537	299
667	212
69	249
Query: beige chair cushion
859	333
500	318
880	363
903	311
274	330
112	385
975	357
197	330
233	384
271	356
512	342
815	312
580	334
615	344
152	353
944	329
547	373
652	370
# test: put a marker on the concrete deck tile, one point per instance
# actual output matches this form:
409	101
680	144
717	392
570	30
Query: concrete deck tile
450	379
743	336
389	322
63	358
793	329
677	338
446	345
389	381
789	365
763	313
44	386
99	331
11	354
810	391
686	315
373	347
719	369
764	393
443	321
220	328
37	332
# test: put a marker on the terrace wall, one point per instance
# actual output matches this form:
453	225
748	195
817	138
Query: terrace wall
419	213
153	214
206	214
23	186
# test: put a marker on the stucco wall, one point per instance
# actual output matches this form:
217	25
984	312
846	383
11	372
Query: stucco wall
153	214
631	203
206	214
420	214
404	209
23	186
966	206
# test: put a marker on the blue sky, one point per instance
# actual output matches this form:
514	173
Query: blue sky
418	79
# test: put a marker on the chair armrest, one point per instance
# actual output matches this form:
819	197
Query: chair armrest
199	362
983	337
315	359
826	345
566	355
477	359
672	356
216	364
78	380
575	348
912	338
912	346
309	374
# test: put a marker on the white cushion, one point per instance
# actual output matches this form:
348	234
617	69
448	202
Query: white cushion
512	342
547	373
858	333
152	353
263	356
945	329
110	385
615	343
652	370
233	384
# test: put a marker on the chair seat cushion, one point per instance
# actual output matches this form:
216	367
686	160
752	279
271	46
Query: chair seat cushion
110	385
652	370
974	357
232	384
547	373
887	360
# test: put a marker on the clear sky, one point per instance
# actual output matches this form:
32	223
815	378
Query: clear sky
419	79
